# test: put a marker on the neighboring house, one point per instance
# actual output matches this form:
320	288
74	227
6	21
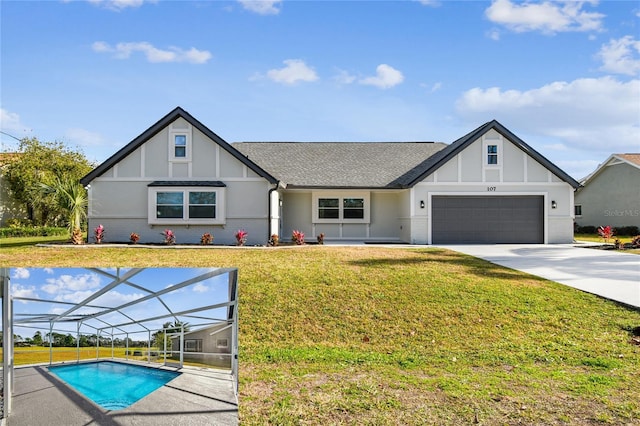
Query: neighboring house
9	207
487	187
210	340
611	194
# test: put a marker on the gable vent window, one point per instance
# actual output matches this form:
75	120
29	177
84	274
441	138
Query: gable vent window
180	146
492	154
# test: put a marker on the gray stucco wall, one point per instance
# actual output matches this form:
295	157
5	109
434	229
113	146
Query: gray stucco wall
611	198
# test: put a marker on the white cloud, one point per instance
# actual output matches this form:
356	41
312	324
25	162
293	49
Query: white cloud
115	298
48	271
621	56
20	274
200	288
66	284
118	5
294	71
152	53
584	113
343	77
84	137
11	123
385	78
262	7
18	290
433	3
547	17
494	34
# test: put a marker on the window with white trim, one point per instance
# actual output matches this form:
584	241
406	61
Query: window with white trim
169	205
492	151
222	343
341	207
193	345
180	144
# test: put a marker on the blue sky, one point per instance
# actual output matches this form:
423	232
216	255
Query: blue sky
564	76
75	285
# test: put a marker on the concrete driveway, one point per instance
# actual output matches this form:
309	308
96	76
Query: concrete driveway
610	274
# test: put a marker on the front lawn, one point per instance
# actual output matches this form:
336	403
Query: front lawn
374	335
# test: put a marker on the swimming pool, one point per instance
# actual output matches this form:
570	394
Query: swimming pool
113	385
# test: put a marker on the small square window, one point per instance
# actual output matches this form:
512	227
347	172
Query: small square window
222	343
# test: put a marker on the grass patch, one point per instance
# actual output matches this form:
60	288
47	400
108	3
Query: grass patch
374	335
31	241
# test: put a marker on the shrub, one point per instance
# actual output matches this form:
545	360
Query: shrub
98	234
134	238
241	237
626	230
274	240
606	232
320	238
206	239
297	237
635	242
35	231
169	237
586	230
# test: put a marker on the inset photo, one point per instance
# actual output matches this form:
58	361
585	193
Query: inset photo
140	345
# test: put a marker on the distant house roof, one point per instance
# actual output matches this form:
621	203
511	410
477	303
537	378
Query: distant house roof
155	129
339	164
632	159
371	164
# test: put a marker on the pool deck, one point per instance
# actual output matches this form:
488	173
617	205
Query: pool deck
199	396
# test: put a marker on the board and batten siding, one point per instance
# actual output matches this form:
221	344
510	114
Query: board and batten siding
119	197
517	174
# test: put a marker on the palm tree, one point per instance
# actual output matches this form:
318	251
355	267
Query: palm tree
71	198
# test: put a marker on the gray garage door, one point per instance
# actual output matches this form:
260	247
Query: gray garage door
488	220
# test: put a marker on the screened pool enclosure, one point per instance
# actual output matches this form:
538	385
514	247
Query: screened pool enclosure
163	316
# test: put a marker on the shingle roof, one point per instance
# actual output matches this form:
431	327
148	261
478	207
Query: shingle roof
632	158
338	164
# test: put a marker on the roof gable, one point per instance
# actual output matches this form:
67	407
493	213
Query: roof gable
157	128
430	165
632	159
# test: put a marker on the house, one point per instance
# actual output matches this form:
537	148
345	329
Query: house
9	207
611	194
489	186
210	345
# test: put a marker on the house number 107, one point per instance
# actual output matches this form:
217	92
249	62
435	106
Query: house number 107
491	188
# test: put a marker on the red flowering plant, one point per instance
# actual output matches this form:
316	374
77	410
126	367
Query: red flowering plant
98	234
134	238
206	239
169	237
606	232
297	237
241	237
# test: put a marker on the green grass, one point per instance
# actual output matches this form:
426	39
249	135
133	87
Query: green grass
374	335
598	239
31	241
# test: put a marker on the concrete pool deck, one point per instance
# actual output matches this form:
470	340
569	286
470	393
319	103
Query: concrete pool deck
197	397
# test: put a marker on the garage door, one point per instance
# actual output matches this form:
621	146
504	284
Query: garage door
488	220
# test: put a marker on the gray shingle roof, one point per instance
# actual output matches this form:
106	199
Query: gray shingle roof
339	164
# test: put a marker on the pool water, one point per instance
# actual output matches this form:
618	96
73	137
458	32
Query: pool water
113	385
